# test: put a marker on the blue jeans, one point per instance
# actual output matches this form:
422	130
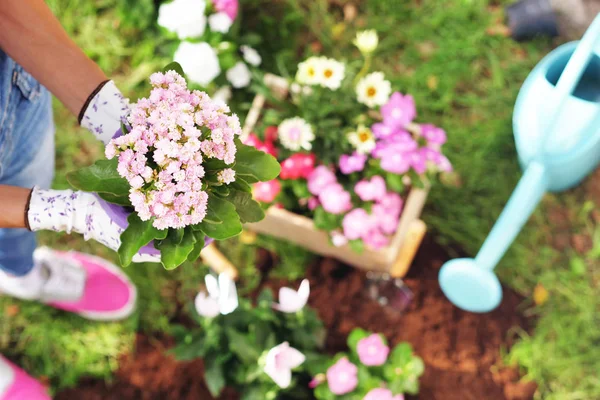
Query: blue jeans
26	152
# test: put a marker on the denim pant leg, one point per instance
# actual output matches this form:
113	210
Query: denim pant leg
26	152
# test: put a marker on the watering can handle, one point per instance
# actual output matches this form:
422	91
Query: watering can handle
571	75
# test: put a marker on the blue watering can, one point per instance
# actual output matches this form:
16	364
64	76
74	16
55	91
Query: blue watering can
557	133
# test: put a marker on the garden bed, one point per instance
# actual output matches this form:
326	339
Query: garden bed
461	350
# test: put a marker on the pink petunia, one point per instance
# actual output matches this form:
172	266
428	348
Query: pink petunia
353	163
335	199
342	377
372	351
356	224
319	179
399	111
371	190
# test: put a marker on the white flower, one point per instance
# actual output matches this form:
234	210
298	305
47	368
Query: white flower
373	90
309	71
280	361
295	134
199	62
239	75
184	17
363	140
338	239
366	41
332	73
223	292
206	306
223	94
291	301
251	56
220	22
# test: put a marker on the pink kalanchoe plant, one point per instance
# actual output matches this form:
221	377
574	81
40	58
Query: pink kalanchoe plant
372	351
342	377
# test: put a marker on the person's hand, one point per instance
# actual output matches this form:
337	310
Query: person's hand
104	111
69	211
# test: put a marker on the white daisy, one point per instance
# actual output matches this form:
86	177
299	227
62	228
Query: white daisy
239	75
363	140
220	22
199	62
295	134
184	17
310	71
250	55
366	41
373	90
333	73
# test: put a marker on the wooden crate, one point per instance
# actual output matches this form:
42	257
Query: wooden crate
394	259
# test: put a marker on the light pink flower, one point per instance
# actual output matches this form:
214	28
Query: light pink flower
319	179
342	377
280	361
266	191
435	136
353	163
386	220
226	176
313	203
229	7
356	223
290	300
399	111
372	351
375	240
206	306
383	131
371	190
338	239
382	394
335	199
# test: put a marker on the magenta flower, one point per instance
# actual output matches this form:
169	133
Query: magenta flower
319	179
313	203
417	162
297	166
229	7
335	199
376	240
399	110
266	191
353	163
435	136
382	131
436	159
382	394
371	190
396	163
342	377
372	351
385	219
356	223
392	203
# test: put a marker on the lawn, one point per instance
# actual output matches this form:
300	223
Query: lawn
465	76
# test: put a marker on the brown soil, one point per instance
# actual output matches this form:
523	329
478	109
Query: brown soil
461	350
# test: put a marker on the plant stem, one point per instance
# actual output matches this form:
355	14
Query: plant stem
365	68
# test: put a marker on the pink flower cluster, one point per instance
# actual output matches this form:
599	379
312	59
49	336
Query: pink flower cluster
374	229
330	194
172	132
298	165
396	147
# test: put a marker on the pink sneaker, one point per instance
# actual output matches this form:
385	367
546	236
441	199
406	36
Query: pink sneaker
86	285
15	384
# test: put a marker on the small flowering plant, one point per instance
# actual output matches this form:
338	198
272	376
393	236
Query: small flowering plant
180	169
370	371
349	148
209	49
260	350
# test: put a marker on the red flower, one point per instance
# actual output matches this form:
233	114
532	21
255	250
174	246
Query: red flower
267	147
297	166
271	134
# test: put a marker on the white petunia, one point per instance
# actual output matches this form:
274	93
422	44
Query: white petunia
184	17
280	361
251	56
206	306
220	22
290	300
239	75
310	71
199	62
373	90
295	134
363	140
223	291
332	73
366	41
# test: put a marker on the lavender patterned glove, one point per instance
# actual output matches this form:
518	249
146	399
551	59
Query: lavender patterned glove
69	211
104	111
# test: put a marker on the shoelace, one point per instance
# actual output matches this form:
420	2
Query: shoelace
65	280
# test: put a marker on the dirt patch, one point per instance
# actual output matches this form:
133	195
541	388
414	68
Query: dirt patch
461	350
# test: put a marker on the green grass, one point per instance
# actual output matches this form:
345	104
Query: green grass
463	79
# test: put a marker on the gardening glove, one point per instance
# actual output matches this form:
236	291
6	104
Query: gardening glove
81	212
104	111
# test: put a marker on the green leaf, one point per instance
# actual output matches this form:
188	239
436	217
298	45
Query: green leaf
227	220
394	183
242	346
102	177
265	298
195	253
137	234
174	66
252	164
401	355
322	392
214	376
354	337
241	185
114	199
176	247
326	221
357	245
247	208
